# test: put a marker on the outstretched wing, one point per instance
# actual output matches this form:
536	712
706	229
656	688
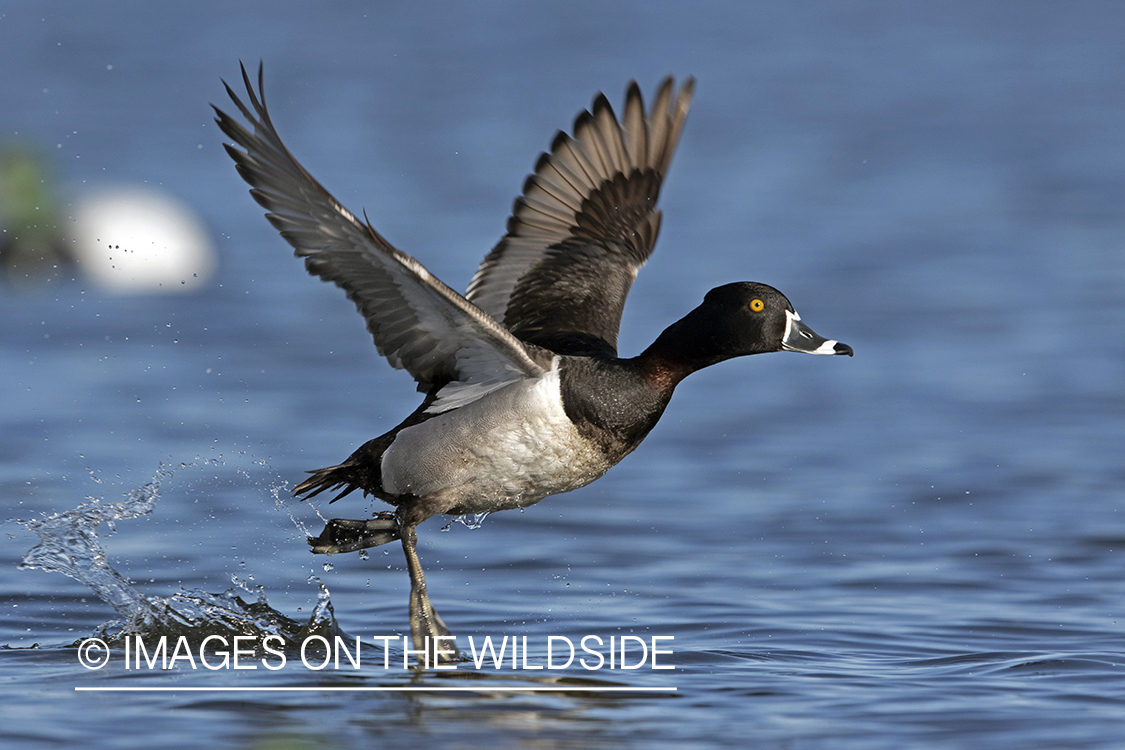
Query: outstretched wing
418	323
586	223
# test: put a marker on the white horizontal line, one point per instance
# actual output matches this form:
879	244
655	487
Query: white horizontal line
405	689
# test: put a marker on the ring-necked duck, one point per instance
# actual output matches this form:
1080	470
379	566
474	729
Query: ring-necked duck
525	395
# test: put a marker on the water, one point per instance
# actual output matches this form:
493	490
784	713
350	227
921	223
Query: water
918	547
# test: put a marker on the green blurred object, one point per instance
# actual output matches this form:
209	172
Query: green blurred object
32	251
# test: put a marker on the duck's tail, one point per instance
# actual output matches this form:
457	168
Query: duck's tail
330	478
362	471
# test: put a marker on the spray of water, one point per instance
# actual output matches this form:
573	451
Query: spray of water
69	544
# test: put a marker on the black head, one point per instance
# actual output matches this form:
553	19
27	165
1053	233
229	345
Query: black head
740	319
746	317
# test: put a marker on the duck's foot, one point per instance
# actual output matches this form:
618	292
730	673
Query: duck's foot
427	629
426	623
344	535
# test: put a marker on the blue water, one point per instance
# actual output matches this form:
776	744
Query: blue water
922	546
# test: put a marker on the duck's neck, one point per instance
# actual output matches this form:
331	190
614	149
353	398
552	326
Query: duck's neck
687	345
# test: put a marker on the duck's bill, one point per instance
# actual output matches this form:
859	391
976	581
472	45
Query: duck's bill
800	338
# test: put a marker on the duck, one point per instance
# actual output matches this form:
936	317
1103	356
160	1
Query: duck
524	393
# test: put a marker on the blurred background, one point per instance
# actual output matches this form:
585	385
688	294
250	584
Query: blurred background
939	185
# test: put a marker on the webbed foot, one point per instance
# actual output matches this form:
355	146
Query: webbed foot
344	535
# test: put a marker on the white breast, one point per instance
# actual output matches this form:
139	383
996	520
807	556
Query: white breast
509	449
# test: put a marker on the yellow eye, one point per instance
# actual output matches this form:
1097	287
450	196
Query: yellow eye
757	305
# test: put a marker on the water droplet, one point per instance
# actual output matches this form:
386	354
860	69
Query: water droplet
472	520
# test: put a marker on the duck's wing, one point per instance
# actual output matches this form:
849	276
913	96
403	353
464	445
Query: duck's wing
584	226
418	323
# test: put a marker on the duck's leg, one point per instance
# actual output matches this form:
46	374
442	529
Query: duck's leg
424	619
343	535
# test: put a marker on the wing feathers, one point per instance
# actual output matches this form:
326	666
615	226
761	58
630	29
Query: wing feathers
418	323
586	223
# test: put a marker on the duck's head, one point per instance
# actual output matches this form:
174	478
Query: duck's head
740	319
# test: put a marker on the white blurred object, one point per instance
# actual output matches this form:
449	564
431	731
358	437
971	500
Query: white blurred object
139	240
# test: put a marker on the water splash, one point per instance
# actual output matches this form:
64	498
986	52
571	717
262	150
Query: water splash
468	520
282	502
69	544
